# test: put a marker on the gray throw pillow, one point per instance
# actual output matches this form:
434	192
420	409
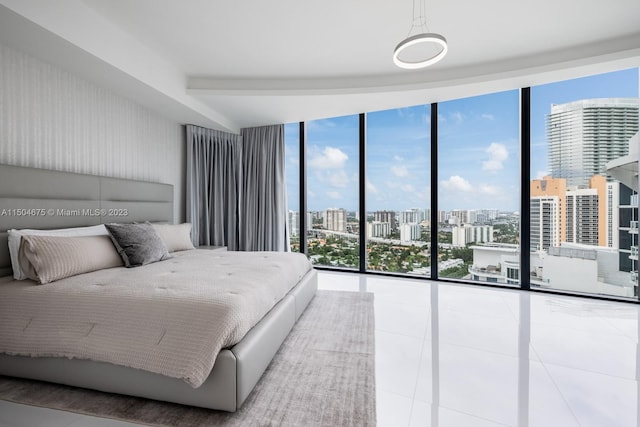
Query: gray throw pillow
137	244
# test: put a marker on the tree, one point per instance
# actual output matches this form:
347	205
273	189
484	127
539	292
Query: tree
457	272
465	254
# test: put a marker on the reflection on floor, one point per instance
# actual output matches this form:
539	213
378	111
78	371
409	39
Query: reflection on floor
454	355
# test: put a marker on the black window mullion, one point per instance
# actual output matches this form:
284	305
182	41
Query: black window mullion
525	189
434	191
303	190
362	190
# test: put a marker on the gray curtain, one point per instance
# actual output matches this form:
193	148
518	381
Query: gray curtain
236	190
263	215
214	182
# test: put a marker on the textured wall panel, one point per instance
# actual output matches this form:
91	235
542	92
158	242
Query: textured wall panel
52	119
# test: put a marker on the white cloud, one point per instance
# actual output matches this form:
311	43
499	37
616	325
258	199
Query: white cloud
338	179
371	188
497	155
399	171
330	158
334	195
408	188
488	116
398	158
457	183
489	190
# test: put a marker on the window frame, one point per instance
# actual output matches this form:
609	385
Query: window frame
524	203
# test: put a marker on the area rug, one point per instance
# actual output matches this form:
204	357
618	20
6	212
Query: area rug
323	375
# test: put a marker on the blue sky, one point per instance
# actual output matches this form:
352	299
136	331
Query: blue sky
478	148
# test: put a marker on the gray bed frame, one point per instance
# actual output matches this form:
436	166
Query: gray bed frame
45	199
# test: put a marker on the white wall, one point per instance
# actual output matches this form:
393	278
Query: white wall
571	274
52	119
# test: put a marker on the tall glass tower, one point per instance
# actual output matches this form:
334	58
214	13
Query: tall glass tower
584	135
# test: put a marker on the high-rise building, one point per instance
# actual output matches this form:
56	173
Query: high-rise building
582	216
386	216
410	232
485	216
581	213
426	215
553	187
335	220
309	219
586	213
472	216
465	234
294	223
584	135
613	206
314	217
545	222
634	243
625	169
453	220
463	216
378	229
411	216
628	230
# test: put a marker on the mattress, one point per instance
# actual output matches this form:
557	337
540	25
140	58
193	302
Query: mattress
171	317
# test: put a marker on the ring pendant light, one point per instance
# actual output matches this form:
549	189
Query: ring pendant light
423	38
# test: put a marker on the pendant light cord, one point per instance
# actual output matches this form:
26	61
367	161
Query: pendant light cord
420	19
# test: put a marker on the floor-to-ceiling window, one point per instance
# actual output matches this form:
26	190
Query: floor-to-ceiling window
333	223
581	219
397	190
479	188
292	169
584	210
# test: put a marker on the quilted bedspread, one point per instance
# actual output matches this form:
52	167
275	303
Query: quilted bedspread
171	317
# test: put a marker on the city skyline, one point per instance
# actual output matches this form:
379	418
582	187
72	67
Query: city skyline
473	175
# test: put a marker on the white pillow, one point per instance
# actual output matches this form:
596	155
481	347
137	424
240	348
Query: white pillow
46	259
16	235
176	237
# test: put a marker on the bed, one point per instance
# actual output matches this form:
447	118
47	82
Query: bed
49	199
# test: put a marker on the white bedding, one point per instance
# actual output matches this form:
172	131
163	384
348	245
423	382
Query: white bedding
171	317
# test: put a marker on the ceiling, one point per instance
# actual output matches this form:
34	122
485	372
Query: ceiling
245	63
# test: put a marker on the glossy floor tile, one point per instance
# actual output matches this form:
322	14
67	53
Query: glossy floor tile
496	357
452	355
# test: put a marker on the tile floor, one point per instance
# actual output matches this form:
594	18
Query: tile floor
457	355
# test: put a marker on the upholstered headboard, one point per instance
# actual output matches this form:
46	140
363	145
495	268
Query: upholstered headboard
45	199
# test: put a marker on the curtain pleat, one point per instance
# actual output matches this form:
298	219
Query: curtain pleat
214	176
236	191
263	211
